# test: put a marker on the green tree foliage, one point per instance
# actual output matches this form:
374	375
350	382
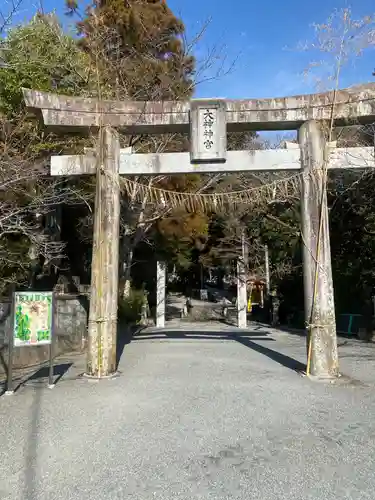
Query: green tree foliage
41	56
352	240
181	235
139	51
135	50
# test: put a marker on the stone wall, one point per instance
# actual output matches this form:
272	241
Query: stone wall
70	332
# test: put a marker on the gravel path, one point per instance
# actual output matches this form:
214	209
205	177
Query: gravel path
200	414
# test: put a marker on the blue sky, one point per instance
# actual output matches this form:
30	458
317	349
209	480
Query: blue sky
262	36
258	41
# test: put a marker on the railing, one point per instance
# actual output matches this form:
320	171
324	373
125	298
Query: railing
346	323
349	324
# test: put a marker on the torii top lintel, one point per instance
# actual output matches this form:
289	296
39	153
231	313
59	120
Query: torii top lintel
353	105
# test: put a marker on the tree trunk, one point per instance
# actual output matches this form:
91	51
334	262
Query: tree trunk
129	245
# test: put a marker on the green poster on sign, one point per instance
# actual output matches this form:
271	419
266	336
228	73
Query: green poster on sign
32	318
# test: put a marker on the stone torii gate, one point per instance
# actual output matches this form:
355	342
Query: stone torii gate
208	122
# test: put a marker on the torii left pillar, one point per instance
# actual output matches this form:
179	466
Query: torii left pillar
102	329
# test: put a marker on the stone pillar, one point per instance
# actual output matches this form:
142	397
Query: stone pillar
241	294
102	328
319	314
160	294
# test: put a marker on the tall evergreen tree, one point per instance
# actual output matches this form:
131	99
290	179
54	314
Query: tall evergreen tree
138	49
140	45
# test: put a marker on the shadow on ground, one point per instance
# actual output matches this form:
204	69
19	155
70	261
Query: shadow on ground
125	334
247	339
39	377
42	374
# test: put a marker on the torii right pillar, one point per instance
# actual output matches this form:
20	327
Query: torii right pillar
319	296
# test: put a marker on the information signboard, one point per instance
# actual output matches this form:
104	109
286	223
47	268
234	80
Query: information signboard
32	324
32	318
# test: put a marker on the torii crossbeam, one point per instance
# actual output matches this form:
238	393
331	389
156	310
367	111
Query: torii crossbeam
354	105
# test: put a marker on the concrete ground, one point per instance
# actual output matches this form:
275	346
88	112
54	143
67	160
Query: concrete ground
196	413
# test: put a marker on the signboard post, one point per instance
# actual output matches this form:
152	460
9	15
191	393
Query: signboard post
31	324
10	390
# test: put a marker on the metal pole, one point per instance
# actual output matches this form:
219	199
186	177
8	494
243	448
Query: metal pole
10	389
245	251
51	385
267	265
243	245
